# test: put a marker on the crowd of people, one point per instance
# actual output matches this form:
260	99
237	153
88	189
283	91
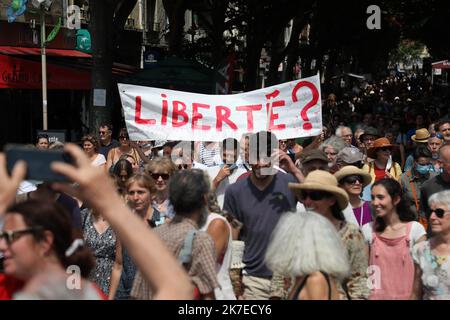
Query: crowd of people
361	211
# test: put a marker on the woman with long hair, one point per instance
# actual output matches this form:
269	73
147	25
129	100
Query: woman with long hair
125	147
121	172
391	237
432	257
305	245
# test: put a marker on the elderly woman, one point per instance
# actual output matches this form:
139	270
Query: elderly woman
352	180
383	166
332	146
432	257
307	246
320	192
91	147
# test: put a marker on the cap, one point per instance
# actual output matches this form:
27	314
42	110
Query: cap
314	154
350	155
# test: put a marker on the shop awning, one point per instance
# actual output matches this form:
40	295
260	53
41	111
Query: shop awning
17	73
9	50
444	64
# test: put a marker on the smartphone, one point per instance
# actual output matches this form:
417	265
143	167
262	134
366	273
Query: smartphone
292	156
233	167
38	162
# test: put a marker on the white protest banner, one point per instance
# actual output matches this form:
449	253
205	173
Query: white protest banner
289	110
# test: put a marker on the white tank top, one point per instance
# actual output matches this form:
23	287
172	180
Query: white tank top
225	291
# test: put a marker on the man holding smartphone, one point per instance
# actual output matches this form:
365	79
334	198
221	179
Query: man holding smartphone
229	169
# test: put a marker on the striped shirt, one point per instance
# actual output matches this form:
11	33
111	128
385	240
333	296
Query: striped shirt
209	154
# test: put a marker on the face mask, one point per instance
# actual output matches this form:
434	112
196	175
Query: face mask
421	169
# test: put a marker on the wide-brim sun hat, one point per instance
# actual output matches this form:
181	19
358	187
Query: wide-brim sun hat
377	144
352	170
421	136
322	181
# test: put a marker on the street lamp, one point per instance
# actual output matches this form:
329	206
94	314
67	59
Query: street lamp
43	5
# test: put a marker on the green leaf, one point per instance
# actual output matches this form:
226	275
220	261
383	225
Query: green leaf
55	31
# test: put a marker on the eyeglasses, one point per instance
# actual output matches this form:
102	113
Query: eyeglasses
314	195
352	179
182	166
11	236
123	137
439	212
164	176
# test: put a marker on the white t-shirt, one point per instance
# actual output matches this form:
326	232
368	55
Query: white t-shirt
417	231
223	185
99	160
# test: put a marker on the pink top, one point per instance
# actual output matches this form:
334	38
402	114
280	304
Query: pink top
395	267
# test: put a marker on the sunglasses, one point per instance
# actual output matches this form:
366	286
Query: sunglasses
352	179
314	195
164	176
182	166
11	236
384	149
439	212
123	137
437	135
102	132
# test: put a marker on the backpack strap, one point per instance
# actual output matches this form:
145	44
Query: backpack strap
185	255
328	282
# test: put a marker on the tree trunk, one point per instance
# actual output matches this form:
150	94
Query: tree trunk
175	10
101	13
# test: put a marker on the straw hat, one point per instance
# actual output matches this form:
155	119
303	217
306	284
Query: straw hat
322	181
352	170
421	136
377	144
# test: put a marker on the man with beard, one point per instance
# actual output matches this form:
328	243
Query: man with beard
258	201
188	193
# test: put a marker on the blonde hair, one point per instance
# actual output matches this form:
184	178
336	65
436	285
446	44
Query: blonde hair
305	242
164	163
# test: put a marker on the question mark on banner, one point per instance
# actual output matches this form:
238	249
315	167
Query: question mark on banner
315	97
